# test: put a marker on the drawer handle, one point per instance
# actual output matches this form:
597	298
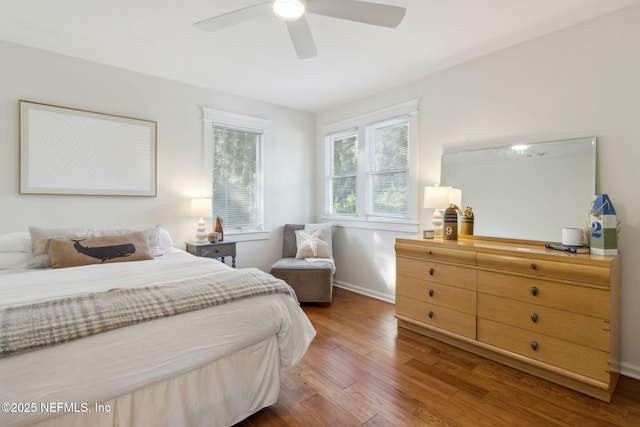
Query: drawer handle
534	345
430	292
430	314
534	291
534	266
534	317
431	271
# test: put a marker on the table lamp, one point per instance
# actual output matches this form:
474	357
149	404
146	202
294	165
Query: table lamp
439	198
201	208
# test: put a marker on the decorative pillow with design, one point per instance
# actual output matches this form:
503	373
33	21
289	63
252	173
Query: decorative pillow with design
324	226
73	252
159	240
155	235
313	243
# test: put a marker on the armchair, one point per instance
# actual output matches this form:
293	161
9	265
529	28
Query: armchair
312	281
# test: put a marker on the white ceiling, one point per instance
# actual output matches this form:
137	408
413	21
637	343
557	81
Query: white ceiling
256	58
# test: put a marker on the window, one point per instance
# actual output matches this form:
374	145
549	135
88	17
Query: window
344	170
370	172
234	151
236	184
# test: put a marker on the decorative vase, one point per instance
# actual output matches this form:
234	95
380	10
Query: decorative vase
450	224
466	222
603	239
217	227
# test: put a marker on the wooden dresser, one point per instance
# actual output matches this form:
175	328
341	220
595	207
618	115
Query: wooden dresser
549	313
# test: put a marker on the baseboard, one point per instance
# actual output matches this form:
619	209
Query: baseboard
629	370
366	292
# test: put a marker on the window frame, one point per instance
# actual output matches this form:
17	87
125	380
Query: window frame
363	125
240	122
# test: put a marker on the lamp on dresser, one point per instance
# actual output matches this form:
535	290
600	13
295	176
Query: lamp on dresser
439	198
201	208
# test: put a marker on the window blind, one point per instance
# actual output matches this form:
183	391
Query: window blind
236	176
389	169
344	173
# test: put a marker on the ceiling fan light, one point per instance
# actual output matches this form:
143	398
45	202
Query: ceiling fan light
289	10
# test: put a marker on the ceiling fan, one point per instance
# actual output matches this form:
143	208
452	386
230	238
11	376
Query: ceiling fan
293	13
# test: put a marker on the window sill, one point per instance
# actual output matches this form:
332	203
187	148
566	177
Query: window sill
371	224
246	236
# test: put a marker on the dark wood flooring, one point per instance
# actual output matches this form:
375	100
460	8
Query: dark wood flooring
361	370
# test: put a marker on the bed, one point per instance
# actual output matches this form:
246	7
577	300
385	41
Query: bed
213	366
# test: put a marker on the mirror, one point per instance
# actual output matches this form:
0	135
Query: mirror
526	191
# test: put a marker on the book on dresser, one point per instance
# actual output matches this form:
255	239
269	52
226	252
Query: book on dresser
568	248
549	313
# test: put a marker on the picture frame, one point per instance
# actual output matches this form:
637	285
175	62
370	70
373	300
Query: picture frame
69	151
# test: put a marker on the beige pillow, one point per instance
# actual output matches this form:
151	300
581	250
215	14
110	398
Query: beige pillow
41	237
73	252
313	243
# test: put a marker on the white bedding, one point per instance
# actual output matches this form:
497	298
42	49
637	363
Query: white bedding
103	366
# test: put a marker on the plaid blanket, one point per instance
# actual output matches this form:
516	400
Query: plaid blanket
33	326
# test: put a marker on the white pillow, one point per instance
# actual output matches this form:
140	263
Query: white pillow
323	226
14	260
312	244
19	241
166	242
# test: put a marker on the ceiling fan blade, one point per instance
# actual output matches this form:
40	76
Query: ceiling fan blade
359	11
232	18
302	38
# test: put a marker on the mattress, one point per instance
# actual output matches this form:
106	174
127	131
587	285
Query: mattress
111	364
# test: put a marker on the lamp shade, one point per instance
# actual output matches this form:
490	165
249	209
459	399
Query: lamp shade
201	208
436	197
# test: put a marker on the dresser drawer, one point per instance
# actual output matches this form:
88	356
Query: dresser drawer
435	315
576	328
436	272
217	251
542	268
576	358
574	298
435	293
436	253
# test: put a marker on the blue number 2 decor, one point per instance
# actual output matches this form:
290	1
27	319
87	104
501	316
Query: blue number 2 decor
604	227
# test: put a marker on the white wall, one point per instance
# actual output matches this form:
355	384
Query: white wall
39	76
582	81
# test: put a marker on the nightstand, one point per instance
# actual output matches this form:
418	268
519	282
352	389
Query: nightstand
214	250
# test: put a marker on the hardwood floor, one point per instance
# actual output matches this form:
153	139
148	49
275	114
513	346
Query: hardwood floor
361	370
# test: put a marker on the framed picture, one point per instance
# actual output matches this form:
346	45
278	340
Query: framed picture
78	152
